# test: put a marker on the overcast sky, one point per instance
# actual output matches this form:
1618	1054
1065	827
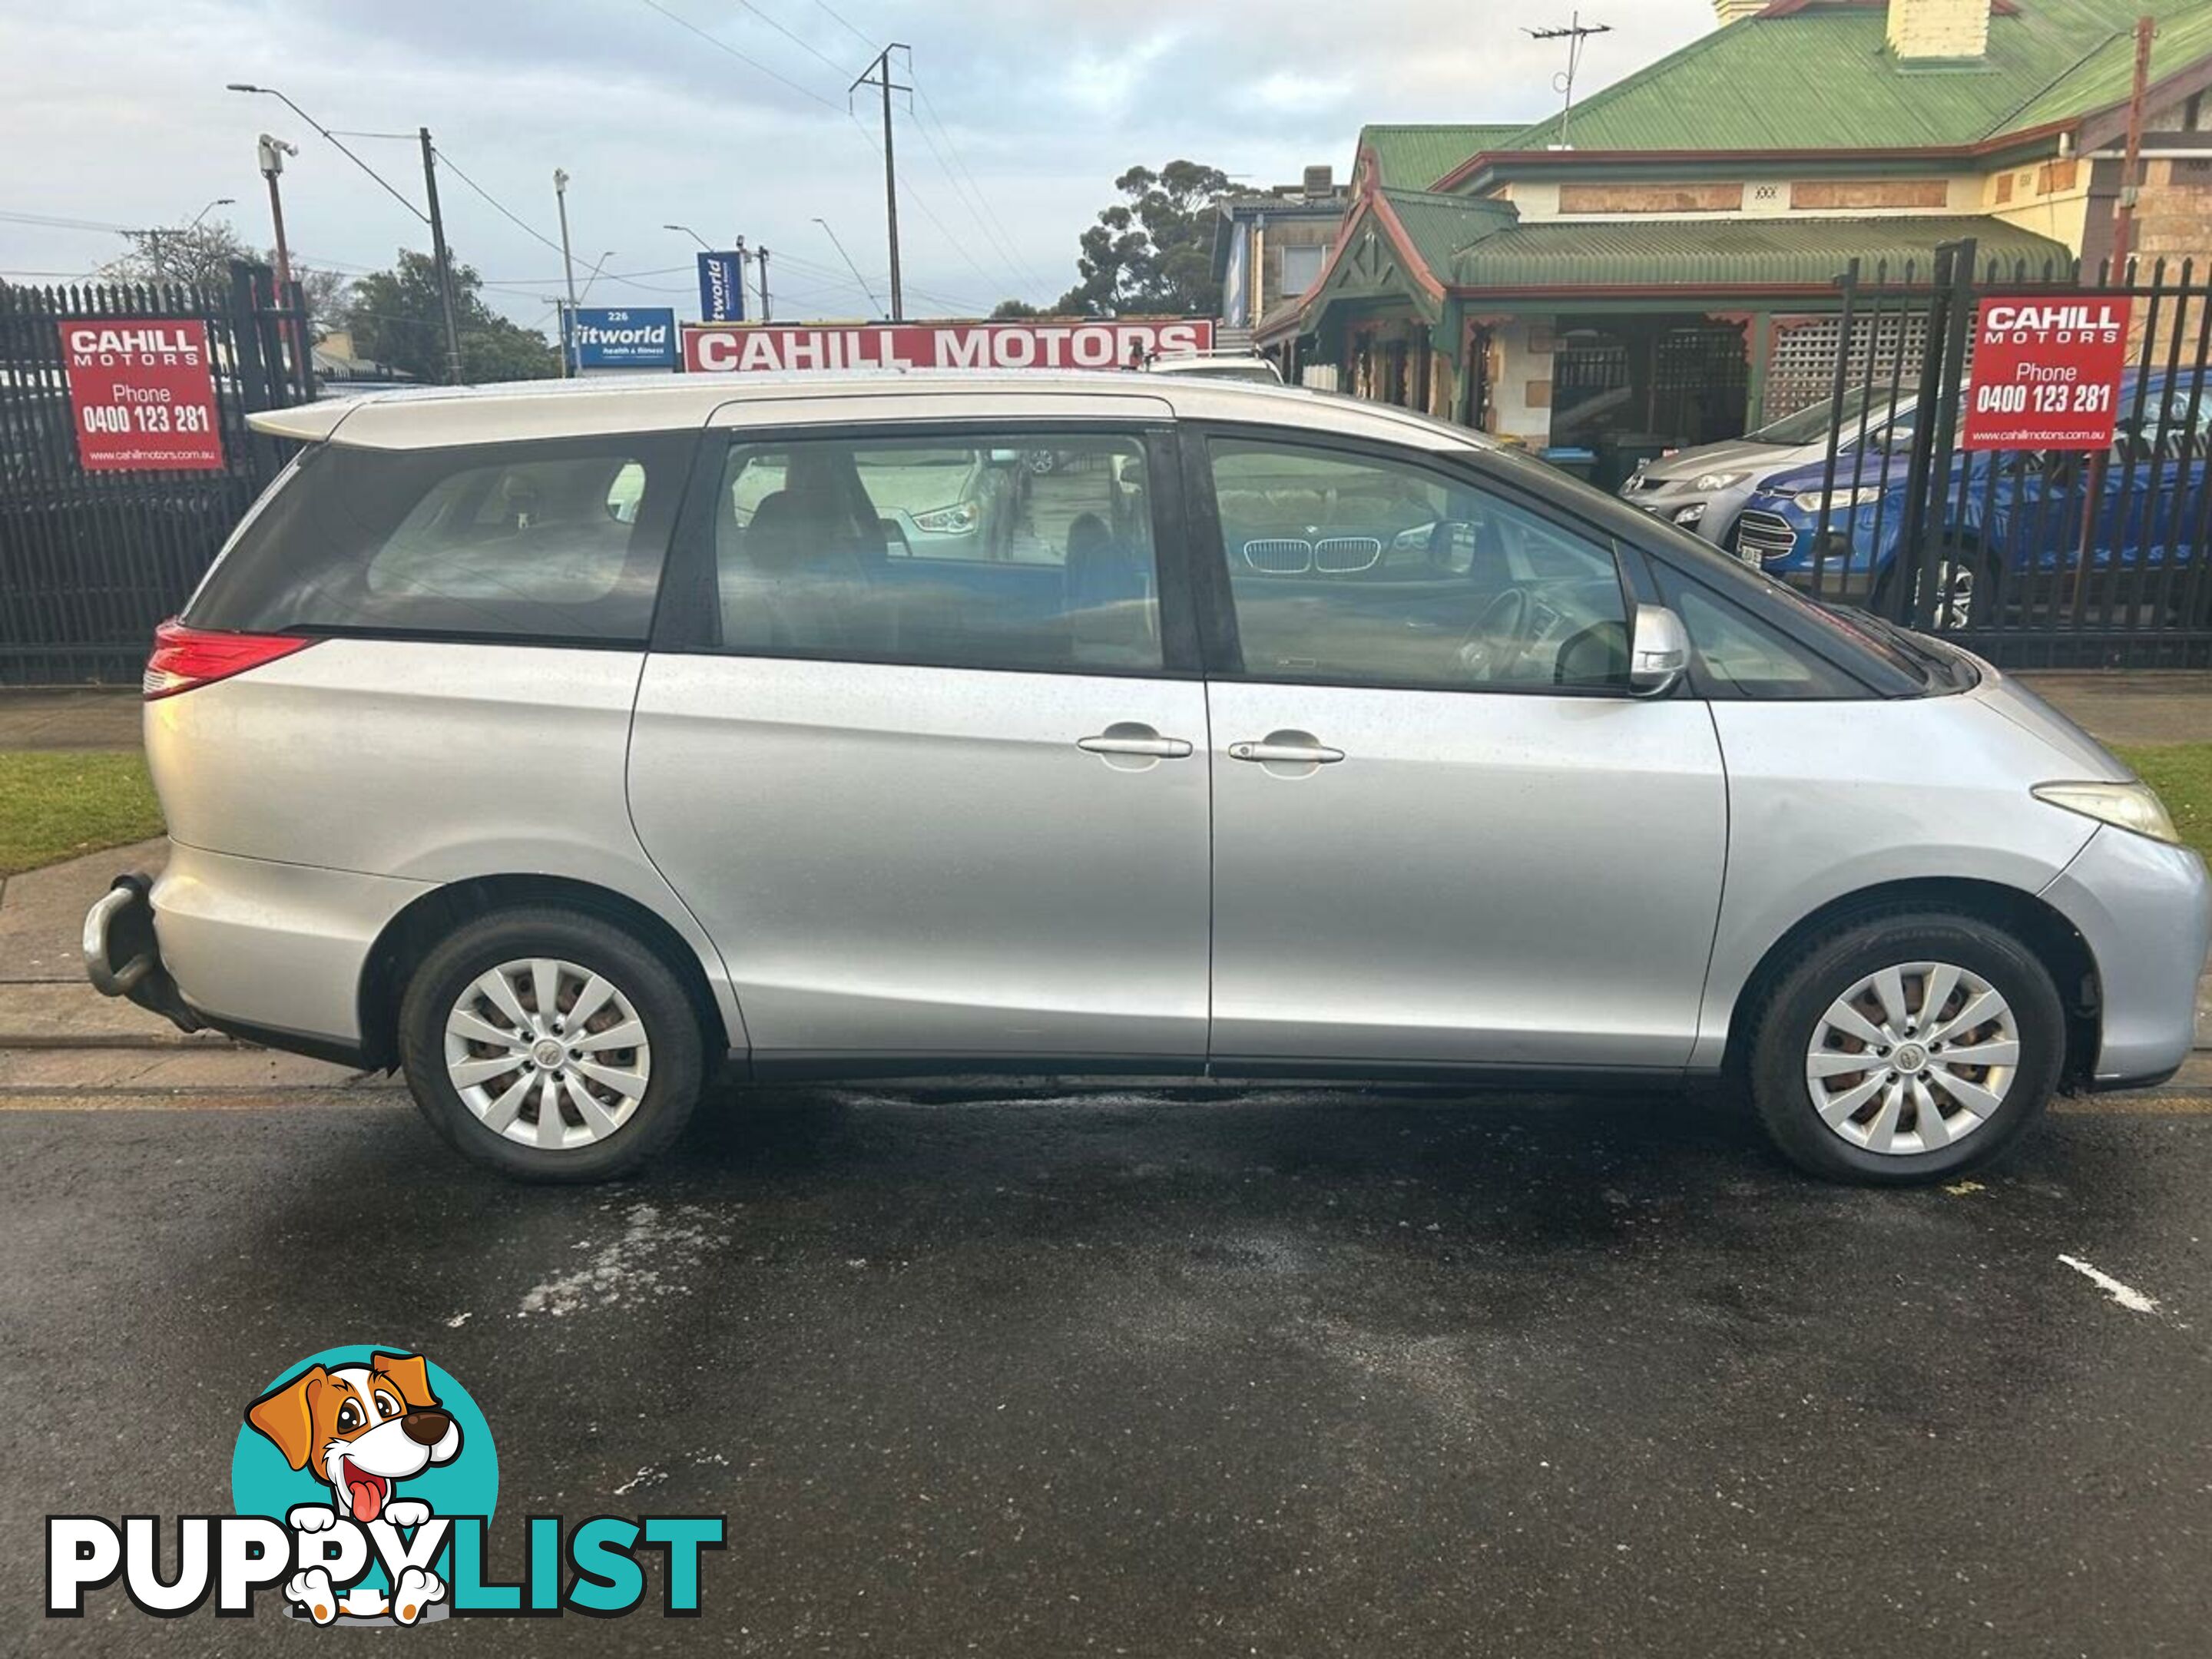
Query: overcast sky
116	114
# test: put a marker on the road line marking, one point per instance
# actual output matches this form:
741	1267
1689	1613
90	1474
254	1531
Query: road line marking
2129	1297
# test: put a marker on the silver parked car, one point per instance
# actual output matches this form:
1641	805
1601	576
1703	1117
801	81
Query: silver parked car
1705	490
518	742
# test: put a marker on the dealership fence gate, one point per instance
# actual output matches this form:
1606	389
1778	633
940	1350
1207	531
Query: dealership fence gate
90	562
2034	558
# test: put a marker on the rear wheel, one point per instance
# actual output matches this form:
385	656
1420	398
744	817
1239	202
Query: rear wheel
1904	1047
552	1045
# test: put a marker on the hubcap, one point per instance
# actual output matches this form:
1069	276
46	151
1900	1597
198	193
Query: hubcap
1912	1058
547	1053
1954	596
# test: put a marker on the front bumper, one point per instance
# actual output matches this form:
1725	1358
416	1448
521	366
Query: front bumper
123	958
2144	909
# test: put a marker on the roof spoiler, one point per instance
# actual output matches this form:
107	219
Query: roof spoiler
305	423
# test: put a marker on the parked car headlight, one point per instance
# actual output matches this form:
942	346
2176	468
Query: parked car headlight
955	521
1709	481
1808	500
1687	516
2127	805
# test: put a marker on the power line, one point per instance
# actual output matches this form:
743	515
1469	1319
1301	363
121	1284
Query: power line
724	46
996	238
863	39
506	212
800	41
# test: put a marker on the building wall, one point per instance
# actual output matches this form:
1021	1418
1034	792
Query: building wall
1519	371
2051	198
1750	197
1280	234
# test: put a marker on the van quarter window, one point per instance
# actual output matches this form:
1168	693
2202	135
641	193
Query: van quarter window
541	541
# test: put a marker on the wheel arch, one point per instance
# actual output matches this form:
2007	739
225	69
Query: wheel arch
2054	940
418	928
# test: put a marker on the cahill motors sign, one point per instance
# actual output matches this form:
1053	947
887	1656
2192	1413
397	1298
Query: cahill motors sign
2047	372
1124	343
142	394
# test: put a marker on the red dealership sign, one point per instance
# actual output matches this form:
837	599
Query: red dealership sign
714	347
142	393
2047	372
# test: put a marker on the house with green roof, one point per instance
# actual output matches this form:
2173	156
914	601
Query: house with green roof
1658	266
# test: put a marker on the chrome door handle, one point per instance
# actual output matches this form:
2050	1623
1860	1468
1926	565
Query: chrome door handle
1299	753
1119	741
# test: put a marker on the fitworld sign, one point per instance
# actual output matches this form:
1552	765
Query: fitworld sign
607	337
1126	342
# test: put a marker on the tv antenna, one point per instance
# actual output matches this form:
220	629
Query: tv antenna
1576	34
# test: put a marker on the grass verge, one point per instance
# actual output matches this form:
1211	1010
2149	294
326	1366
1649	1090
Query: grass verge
2182	775
59	804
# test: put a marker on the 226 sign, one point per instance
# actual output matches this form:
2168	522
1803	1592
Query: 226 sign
2047	372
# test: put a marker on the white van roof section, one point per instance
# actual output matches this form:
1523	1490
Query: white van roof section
435	417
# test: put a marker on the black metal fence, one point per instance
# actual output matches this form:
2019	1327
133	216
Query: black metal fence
2033	557
90	562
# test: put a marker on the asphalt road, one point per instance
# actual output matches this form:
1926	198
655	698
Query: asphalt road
1276	1374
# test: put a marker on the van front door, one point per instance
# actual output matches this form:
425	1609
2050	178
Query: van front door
1443	833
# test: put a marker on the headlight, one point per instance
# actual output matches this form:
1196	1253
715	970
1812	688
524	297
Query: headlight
1709	482
950	520
1694	514
1809	500
2125	805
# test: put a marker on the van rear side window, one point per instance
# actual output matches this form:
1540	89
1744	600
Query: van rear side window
557	540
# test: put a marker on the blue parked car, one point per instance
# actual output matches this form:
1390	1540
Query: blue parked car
2007	518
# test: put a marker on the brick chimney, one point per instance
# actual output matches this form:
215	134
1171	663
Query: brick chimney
1735	11
1939	31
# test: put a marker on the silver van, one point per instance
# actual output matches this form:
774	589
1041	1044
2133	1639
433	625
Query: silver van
521	740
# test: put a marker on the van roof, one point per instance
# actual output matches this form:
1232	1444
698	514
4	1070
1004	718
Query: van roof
435	417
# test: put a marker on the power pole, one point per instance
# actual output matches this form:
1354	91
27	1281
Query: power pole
2124	217
878	73
569	273
1575	34
443	259
766	316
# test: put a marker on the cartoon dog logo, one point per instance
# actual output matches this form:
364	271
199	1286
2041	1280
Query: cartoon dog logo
362	1428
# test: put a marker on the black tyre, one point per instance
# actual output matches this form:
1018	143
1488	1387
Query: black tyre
617	1062
1904	1046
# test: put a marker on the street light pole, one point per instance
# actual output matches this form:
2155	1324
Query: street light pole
444	260
270	152
766	316
568	274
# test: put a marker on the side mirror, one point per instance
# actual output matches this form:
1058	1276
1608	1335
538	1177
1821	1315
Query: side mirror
1658	651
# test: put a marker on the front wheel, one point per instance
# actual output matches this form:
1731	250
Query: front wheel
1964	593
1904	1047
552	1045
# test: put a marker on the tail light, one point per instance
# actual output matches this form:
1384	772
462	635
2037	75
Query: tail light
185	657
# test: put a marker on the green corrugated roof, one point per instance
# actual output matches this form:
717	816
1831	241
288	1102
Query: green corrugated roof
1440	226
1824	78
1724	254
1413	157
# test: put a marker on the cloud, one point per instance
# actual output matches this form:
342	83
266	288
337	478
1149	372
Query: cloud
1026	111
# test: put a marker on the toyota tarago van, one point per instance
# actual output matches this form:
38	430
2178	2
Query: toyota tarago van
570	748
